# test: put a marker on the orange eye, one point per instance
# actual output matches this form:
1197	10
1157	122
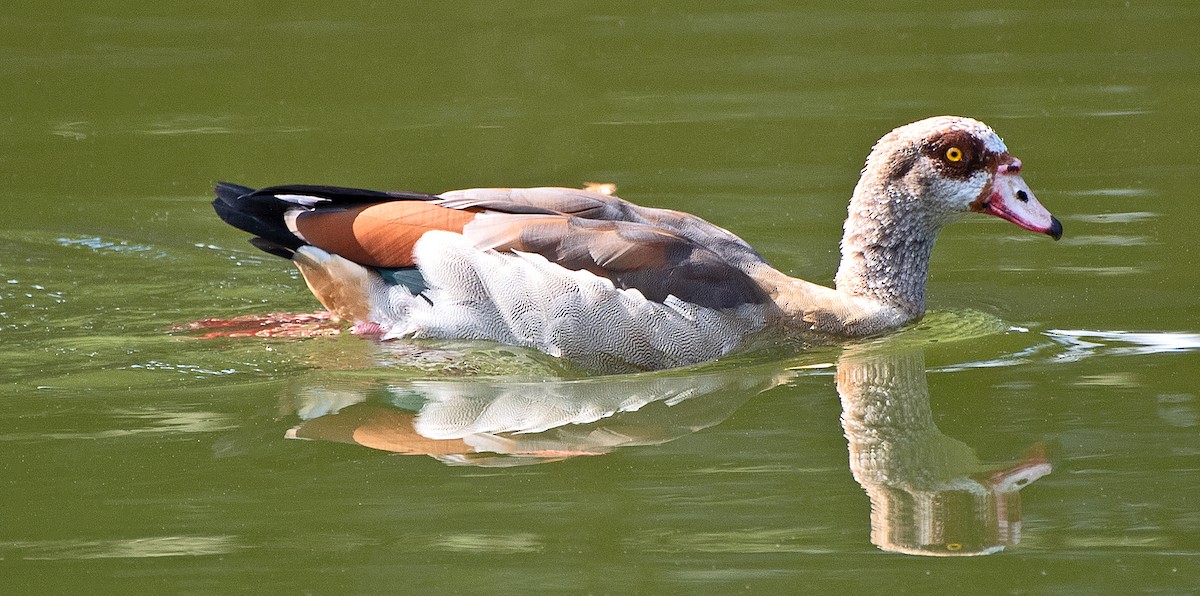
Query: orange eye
954	154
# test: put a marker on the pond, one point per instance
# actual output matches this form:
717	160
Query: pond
1043	416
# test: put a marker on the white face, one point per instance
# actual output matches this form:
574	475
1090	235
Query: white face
953	195
948	165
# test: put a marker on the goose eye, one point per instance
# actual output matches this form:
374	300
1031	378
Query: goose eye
954	154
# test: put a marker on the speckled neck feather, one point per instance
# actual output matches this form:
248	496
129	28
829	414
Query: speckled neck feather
882	260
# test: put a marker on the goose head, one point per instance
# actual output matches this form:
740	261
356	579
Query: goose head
941	167
918	178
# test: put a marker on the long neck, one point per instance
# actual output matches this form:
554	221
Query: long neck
886	248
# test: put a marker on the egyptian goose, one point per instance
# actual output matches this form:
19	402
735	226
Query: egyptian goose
611	285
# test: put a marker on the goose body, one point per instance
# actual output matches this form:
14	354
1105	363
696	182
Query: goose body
611	285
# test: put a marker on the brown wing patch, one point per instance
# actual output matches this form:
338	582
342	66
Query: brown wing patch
378	235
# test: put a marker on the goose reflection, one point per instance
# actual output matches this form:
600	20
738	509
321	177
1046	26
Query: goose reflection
929	493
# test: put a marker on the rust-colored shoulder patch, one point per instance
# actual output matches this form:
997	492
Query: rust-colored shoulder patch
378	235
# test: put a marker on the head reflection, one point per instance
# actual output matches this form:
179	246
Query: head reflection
930	495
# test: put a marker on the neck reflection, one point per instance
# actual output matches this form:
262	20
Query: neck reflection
930	495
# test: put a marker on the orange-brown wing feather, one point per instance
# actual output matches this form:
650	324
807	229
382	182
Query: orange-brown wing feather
381	234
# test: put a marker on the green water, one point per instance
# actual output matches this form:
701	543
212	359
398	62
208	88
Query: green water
1045	412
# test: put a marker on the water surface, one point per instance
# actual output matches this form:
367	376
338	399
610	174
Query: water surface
1044	416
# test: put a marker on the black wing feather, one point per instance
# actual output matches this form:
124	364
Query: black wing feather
340	195
261	211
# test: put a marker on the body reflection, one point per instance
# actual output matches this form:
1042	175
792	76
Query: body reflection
929	493
505	423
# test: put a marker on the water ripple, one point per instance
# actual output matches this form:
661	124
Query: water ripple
100	245
1103	218
1109	192
1083	343
1107	240
130	548
1111	270
1067	345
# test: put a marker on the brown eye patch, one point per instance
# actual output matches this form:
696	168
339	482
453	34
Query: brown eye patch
956	153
